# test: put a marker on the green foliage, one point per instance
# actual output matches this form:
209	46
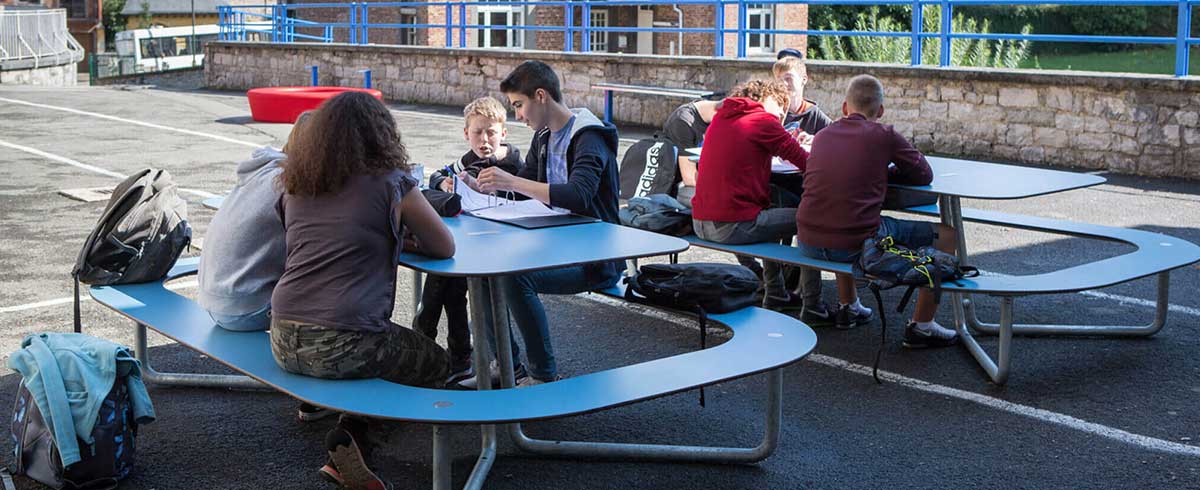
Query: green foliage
886	49
113	21
145	18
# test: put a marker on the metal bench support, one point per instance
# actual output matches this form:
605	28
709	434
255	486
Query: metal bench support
231	381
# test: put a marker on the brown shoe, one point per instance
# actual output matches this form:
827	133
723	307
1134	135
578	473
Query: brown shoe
347	466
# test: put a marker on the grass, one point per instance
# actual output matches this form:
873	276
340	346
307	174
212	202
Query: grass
1157	60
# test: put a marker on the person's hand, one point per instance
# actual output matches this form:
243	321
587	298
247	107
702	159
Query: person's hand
494	179
410	243
447	185
466	178
802	137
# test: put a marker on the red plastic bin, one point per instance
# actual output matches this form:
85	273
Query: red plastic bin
284	104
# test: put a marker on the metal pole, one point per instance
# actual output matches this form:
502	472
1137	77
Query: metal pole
1182	32
719	29
585	37
192	41
449	26
608	105
918	27
569	34
741	29
947	27
462	23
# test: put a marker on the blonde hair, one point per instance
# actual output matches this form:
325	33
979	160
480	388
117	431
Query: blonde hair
760	90
488	107
865	94
789	63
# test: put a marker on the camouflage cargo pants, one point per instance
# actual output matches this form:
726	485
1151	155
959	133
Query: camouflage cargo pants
399	355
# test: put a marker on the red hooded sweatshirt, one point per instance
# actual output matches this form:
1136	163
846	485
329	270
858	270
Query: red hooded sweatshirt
735	166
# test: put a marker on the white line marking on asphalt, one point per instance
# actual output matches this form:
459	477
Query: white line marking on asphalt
90	168
82	297
987	401
131	121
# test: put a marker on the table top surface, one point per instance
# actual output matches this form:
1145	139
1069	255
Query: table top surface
487	248
980	180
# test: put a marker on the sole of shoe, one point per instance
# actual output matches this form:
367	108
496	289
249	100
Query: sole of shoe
928	345
355	475
331	475
313	416
459	377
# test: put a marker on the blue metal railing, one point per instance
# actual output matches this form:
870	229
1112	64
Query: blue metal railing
278	23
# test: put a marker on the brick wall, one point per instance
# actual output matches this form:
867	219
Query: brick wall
1147	125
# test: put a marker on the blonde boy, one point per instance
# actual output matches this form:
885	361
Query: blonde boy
483	129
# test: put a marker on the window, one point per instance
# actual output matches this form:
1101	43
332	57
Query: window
760	16
495	15
408	35
76	9
598	40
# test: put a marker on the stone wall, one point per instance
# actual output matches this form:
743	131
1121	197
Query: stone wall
1148	125
183	78
54	76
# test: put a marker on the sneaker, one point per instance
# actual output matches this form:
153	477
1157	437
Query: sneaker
846	318
309	413
471	383
460	369
935	336
792	303
532	381
346	464
819	315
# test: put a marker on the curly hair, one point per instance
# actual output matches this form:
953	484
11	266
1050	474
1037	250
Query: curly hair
351	133
759	90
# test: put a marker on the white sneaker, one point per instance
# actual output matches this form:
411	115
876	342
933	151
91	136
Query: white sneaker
471	383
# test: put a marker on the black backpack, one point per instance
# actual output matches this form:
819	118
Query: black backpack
139	236
650	166
659	213
885	264
698	288
108	459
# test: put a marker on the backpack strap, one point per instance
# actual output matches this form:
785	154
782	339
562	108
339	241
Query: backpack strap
908	292
882	327
78	323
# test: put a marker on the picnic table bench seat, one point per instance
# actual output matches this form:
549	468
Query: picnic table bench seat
763	340
1155	254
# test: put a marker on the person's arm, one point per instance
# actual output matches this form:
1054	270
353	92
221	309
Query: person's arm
431	237
687	170
496	179
911	166
769	133
436	179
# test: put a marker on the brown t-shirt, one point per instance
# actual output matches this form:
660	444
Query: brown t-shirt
342	251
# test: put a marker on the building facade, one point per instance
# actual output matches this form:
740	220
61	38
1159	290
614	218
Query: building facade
491	25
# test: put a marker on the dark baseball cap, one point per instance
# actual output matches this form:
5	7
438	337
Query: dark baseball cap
793	52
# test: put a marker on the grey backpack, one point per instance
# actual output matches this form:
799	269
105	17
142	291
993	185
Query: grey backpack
659	213
142	231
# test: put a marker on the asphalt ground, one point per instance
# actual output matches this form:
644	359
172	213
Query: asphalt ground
1076	413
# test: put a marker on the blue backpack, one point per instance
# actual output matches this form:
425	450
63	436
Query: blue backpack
108	459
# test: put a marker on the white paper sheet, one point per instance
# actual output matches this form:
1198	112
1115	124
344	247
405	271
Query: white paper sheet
518	209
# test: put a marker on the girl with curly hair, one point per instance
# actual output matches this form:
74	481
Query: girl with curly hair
348	205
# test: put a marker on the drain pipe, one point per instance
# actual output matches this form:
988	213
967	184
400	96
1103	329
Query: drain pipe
679	13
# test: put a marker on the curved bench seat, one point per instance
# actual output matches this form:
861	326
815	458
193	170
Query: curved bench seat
762	340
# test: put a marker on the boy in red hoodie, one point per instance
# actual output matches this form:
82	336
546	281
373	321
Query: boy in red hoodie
732	203
847	175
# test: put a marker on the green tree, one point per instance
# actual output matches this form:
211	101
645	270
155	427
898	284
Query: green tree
113	21
145	18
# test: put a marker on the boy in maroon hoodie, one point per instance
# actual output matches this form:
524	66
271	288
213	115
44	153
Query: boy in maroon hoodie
844	184
732	203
